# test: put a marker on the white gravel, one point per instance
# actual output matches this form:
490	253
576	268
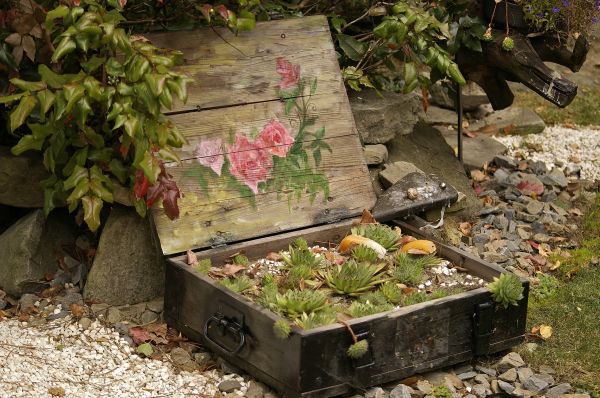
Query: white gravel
91	363
562	145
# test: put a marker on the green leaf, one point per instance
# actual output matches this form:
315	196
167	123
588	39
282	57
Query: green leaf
80	189
6	57
78	159
382	30
353	48
336	23
91	211
137	67
114	68
26	143
156	82
140	207
119	170
131	125
11	98
59	12
150	167
41	131
65	46
28	86
55	80
20	113
93	63
79	173
93	88
178	86
97	140
145	349
46	99
245	21
455	74
410	73
73	93
101	191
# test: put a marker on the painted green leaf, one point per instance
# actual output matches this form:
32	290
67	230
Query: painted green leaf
313	87
353	48
20	113
317	156
91	211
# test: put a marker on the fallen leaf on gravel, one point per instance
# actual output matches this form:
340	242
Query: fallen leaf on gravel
527	188
537	260
554	266
3	314
145	349
576	212
465	228
139	334
274	256
367	217
158	333
478	175
56	391
191	258
533	244
522	166
77	310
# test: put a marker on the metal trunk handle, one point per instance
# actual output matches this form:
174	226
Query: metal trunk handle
225	326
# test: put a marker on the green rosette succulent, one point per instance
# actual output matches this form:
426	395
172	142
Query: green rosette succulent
506	290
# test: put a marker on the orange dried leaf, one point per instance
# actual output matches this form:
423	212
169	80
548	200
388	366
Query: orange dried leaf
420	246
465	228
77	310
367	218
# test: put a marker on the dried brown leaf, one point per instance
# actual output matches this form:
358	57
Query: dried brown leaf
478	175
18	54
139	335
77	310
29	47
576	212
227	270
192	259
367	218
465	228
274	256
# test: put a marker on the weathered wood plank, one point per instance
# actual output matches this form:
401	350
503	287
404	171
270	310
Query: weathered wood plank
277	150
232	68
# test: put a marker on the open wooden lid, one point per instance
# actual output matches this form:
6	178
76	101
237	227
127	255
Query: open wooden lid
272	144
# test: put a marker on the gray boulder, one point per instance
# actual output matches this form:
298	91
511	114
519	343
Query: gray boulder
381	118
20	178
29	250
472	97
128	267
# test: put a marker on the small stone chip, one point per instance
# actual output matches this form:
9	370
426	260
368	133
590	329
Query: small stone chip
229	385
56	391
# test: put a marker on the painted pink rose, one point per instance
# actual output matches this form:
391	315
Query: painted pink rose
276	138
290	73
250	162
209	153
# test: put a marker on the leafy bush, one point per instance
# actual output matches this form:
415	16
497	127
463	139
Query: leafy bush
94	111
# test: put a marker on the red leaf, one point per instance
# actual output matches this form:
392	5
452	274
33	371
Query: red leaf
124	149
154	191
533	244
122	3
527	187
223	11
141	184
170	203
205	10
139	335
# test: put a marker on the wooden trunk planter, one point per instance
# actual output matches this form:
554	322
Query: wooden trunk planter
252	96
313	363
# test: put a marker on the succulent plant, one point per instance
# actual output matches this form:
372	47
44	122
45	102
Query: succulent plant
415	298
375	298
295	302
301	256
506	290
240	259
359	309
441	391
362	253
488	35
268	292
508	44
407	269
380	233
282	329
315	319
203	266
358	349
391	292
240	284
354	278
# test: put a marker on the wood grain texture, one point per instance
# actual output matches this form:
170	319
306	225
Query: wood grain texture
229	69
239	97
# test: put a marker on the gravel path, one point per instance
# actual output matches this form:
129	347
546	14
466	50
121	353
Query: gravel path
560	146
61	359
